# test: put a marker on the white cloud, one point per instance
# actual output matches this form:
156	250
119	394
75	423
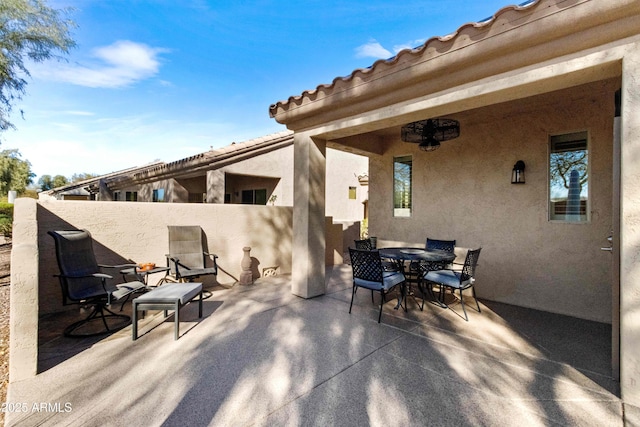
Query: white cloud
373	49
409	45
120	64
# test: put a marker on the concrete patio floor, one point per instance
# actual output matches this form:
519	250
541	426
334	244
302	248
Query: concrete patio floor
261	356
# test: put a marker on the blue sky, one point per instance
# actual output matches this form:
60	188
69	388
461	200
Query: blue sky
168	79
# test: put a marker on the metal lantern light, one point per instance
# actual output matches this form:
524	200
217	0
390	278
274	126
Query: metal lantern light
517	174
429	133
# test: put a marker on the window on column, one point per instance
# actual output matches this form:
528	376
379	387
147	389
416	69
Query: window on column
402	170
569	177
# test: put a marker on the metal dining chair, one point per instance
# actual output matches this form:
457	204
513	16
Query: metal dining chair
418	268
368	273
460	280
368	245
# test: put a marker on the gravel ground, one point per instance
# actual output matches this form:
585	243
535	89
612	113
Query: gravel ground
5	259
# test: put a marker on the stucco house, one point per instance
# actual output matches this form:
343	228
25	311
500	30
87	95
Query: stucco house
257	171
254	172
545	83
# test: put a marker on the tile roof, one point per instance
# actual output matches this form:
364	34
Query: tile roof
208	160
202	161
420	51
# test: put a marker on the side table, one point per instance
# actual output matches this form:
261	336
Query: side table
143	275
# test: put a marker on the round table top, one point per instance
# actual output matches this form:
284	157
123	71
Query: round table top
417	254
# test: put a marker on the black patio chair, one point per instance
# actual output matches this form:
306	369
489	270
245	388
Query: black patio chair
418	268
83	283
460	280
368	273
368	245
364	244
187	259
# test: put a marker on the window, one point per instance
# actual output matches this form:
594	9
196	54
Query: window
569	177
116	196
197	197
352	193
131	196
254	197
402	167
158	195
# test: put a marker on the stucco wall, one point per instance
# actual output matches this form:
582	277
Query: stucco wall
138	231
462	191
342	172
275	164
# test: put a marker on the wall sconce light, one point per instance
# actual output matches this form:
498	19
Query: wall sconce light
517	174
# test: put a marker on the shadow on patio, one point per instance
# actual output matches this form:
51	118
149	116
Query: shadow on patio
261	356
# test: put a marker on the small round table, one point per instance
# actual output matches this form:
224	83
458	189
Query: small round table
417	254
434	256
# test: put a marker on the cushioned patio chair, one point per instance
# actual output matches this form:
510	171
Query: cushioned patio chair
367	245
418	269
460	280
187	259
368	273
83	283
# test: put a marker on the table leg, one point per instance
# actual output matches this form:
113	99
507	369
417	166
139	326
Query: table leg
177	315
134	324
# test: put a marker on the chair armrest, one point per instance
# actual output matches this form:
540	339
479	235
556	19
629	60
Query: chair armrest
176	262
84	276
212	256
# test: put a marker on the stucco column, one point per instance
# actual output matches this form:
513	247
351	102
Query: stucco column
104	192
308	258
215	186
23	341
629	230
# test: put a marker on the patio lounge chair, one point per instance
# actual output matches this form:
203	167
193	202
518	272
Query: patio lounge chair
83	283
460	280
187	258
368	273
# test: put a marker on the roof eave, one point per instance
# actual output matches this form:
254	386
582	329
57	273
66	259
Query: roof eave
515	37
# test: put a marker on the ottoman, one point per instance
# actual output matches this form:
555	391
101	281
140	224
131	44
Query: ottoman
170	296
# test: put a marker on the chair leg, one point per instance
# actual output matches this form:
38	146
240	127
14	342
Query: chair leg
353	294
422	291
474	297
98	314
463	309
381	305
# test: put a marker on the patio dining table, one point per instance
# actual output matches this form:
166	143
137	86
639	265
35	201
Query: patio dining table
432	256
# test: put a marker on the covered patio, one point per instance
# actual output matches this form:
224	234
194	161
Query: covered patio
518	83
261	356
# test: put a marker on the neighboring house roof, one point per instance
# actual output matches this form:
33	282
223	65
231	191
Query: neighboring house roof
183	168
91	185
213	159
